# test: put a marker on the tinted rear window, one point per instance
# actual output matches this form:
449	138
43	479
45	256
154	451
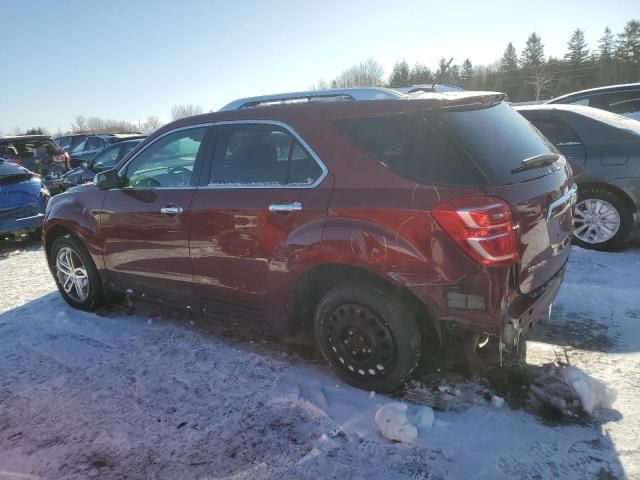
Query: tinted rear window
452	147
28	149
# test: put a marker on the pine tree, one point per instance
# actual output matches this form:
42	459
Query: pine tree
606	46
577	53
420	74
509	61
533	53
629	42
467	73
399	74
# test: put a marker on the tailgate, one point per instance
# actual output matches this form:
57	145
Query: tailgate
498	140
542	211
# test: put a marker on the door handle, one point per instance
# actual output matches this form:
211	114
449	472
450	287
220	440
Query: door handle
285	207
171	210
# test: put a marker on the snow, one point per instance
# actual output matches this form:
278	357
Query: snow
109	394
497	401
393	423
593	393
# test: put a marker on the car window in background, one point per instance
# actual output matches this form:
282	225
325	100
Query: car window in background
261	155
63	142
94	143
559	133
79	147
28	149
168	162
580	101
106	158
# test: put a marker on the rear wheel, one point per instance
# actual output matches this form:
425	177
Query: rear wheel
601	219
75	274
368	335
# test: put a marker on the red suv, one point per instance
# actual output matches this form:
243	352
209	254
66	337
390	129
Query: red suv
360	215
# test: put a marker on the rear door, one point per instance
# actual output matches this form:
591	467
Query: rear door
498	139
144	224
258	217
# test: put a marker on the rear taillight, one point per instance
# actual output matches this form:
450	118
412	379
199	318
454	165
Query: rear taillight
67	159
482	226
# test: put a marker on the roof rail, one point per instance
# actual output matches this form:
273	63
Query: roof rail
333	94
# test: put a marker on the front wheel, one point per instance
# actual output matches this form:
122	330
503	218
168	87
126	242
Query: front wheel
601	219
368	335
75	274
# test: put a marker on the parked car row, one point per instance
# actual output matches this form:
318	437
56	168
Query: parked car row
50	168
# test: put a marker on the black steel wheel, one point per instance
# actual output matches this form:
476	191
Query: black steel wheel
368	335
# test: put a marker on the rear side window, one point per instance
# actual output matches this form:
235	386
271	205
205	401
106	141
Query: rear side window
557	132
261	155
455	147
416	146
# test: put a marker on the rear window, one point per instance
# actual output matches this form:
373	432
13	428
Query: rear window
28	149
452	147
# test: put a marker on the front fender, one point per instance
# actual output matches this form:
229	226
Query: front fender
79	212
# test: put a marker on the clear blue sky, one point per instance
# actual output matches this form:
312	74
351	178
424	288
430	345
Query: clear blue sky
126	59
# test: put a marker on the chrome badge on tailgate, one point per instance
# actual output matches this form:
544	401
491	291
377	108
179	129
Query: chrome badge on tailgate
560	221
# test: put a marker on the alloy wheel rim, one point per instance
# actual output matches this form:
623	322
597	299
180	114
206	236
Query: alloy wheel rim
595	221
360	342
72	274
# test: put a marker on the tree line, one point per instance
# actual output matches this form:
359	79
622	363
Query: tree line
93	124
525	75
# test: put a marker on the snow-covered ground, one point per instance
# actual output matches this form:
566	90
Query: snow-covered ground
145	392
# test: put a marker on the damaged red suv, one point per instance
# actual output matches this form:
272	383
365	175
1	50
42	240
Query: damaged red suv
361	215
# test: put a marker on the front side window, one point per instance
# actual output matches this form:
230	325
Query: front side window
261	155
168	162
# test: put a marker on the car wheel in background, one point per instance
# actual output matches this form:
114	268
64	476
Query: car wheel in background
368	335
36	235
601	219
75	273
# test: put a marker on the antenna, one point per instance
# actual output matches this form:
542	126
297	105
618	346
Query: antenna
444	70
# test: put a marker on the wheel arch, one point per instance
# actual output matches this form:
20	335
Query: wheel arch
314	283
611	188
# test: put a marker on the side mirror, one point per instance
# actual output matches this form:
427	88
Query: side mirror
107	180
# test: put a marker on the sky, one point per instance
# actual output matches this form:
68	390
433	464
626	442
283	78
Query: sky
128	60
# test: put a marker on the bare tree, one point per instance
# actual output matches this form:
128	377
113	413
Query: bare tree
102	125
186	110
539	78
320	85
366	74
150	125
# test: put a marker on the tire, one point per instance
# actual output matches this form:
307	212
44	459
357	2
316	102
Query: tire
380	328
612	200
81	260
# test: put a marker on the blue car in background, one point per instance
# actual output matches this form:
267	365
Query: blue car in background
23	199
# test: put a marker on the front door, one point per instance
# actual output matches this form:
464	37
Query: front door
258	219
144	224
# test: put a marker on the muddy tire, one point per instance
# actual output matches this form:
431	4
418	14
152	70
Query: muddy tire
75	274
368	335
602	219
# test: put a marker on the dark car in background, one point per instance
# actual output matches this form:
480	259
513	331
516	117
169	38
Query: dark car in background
364	216
23	199
102	161
39	154
620	99
92	144
604	152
